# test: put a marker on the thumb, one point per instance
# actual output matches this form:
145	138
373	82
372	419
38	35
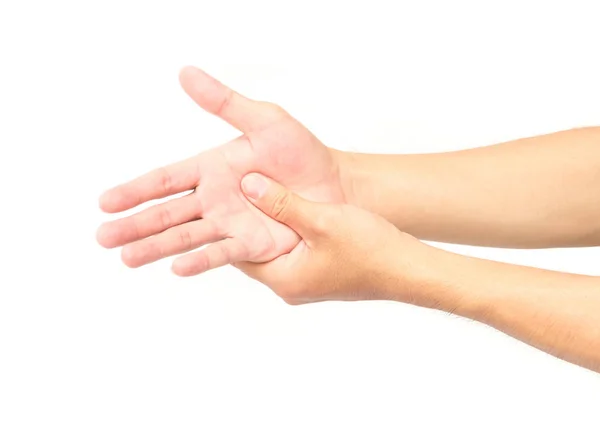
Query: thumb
279	203
213	96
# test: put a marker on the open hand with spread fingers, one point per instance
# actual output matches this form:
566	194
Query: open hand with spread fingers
215	211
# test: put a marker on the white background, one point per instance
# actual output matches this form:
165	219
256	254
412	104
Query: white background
89	97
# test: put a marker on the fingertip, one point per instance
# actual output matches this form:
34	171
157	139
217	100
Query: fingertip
106	202
174	270
129	258
190	265
103	236
190	77
254	185
179	269
117	200
102	202
188	71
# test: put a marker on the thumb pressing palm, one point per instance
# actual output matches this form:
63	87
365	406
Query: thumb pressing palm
282	204
344	252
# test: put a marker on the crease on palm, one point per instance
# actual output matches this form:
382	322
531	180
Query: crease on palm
215	217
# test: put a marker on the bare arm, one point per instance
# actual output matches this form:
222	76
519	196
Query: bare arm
556	312
350	254
541	191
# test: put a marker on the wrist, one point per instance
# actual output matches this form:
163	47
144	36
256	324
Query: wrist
375	183
434	278
348	164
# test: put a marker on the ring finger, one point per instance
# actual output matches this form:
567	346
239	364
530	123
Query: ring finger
177	240
149	222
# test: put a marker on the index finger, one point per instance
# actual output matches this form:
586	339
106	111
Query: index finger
159	183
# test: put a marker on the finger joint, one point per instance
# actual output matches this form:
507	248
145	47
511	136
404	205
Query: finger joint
280	205
185	239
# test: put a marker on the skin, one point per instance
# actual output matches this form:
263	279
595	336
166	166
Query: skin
341	257
215	211
535	192
318	224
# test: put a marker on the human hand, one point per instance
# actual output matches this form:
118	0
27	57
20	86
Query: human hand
345	253
216	212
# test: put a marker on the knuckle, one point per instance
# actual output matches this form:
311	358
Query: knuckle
165	218
224	253
223	104
165	180
136	228
185	240
280	205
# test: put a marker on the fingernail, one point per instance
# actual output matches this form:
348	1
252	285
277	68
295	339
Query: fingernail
254	186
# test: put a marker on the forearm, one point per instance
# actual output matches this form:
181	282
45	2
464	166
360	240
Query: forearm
535	192
558	313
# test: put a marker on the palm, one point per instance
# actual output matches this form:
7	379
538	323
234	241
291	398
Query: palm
299	161
216	212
